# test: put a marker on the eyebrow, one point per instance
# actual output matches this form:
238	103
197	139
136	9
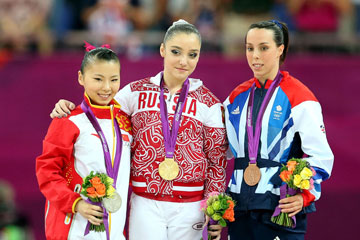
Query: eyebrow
193	50
262	43
97	74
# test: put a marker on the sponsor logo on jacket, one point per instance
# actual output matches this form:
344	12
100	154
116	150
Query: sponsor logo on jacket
277	112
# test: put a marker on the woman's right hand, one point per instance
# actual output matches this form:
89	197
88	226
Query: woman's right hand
62	108
92	213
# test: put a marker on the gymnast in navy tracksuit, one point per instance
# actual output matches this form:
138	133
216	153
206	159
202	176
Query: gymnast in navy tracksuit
288	121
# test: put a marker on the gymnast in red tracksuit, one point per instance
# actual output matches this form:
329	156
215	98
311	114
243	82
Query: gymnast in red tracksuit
73	147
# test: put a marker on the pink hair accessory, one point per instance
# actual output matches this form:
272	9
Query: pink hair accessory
89	47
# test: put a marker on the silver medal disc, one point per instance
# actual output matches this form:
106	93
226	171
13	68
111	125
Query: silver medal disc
113	203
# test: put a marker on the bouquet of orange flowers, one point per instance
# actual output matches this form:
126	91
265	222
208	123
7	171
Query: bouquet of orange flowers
220	208
97	186
298	176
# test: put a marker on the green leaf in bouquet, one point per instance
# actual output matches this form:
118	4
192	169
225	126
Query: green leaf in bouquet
216	217
222	222
224	204
216	205
210	211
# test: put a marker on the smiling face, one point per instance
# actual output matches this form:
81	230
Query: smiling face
181	54
262	54
101	81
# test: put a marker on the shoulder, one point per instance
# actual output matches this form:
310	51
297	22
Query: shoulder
124	121
76	111
243	87
203	95
64	130
295	90
68	119
141	85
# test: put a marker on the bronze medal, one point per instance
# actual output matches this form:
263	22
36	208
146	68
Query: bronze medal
252	175
168	169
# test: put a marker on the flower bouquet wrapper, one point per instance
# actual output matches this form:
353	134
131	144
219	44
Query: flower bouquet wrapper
96	187
220	209
297	176
98	228
279	217
205	233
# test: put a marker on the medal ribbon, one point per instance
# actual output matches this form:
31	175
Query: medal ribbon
170	137
284	190
253	141
110	170
105	220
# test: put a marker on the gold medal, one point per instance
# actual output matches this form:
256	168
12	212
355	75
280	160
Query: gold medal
168	169
252	174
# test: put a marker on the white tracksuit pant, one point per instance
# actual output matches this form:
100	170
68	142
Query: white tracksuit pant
159	220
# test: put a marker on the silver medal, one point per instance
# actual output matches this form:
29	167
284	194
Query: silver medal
113	203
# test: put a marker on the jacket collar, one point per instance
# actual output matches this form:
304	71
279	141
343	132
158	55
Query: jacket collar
103	111
268	82
194	83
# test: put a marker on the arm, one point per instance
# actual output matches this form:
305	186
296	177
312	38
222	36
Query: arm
215	146
308	121
57	154
58	148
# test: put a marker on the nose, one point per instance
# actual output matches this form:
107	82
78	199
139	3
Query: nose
256	53
183	60
106	85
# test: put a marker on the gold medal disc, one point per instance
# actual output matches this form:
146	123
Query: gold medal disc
252	175
168	169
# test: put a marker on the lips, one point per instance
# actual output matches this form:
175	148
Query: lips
104	96
181	69
257	66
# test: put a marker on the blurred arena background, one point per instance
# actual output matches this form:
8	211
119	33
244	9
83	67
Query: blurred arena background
41	52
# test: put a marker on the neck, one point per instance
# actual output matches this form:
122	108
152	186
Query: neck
173	84
270	77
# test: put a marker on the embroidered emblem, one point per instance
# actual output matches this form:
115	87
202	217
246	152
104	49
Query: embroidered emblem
277	113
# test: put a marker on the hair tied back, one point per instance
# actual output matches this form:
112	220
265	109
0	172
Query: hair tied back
180	21
89	47
277	23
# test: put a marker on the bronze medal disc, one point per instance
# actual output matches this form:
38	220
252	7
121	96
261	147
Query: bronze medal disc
252	175
168	169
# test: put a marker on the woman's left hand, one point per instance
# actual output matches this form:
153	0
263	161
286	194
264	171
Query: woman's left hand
292	205
214	230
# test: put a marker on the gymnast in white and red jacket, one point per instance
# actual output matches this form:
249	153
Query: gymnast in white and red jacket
73	147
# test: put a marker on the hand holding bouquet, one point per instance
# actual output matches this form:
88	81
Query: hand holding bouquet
220	208
298	176
96	187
